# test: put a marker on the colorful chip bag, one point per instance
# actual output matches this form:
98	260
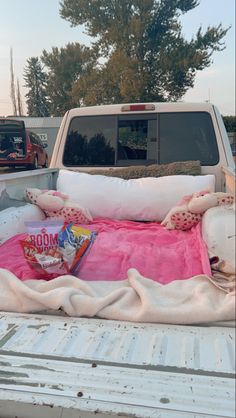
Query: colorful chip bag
74	242
41	247
54	249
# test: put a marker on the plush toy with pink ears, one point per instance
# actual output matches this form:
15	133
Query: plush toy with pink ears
57	205
189	211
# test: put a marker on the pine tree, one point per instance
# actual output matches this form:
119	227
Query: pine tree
36	81
65	66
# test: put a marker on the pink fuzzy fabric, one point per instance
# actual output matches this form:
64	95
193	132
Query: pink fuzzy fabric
155	252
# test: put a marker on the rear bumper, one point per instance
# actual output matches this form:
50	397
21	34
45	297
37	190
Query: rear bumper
13	162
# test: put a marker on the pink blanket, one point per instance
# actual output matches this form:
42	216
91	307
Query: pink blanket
155	252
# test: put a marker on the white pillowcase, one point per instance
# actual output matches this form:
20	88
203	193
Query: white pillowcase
218	231
12	220
143	199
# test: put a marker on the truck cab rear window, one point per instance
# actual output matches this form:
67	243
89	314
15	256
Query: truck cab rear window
187	136
121	140
111	140
91	141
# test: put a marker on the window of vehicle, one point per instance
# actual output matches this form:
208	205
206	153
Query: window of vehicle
12	142
34	139
91	141
111	140
187	136
19	144
137	139
141	139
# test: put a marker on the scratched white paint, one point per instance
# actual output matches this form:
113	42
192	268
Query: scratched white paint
183	348
56	366
81	385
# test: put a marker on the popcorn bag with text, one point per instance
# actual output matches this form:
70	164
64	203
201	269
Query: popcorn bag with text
53	249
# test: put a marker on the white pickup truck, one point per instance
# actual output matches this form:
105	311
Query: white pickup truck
52	365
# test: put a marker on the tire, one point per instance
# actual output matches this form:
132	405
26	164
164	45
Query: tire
34	166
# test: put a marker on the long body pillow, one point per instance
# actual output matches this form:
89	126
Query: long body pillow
143	199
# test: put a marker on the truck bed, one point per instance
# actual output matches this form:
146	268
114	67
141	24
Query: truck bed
57	366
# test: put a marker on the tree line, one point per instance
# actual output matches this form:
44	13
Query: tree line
138	53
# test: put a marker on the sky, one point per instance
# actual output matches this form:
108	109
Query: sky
30	26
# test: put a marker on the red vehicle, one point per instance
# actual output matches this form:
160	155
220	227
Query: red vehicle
19	146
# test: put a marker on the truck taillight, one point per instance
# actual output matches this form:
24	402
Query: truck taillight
137	107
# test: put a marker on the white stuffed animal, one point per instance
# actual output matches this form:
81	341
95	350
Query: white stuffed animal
190	210
57	205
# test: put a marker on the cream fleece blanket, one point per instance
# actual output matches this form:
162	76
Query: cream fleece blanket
137	299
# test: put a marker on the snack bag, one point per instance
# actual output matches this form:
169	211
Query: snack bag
41	248
44	234
74	242
54	249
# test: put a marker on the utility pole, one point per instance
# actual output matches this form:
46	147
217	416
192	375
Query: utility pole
13	92
19	99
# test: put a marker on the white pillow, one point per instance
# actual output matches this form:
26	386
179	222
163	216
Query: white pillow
143	199
218	231
12	220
